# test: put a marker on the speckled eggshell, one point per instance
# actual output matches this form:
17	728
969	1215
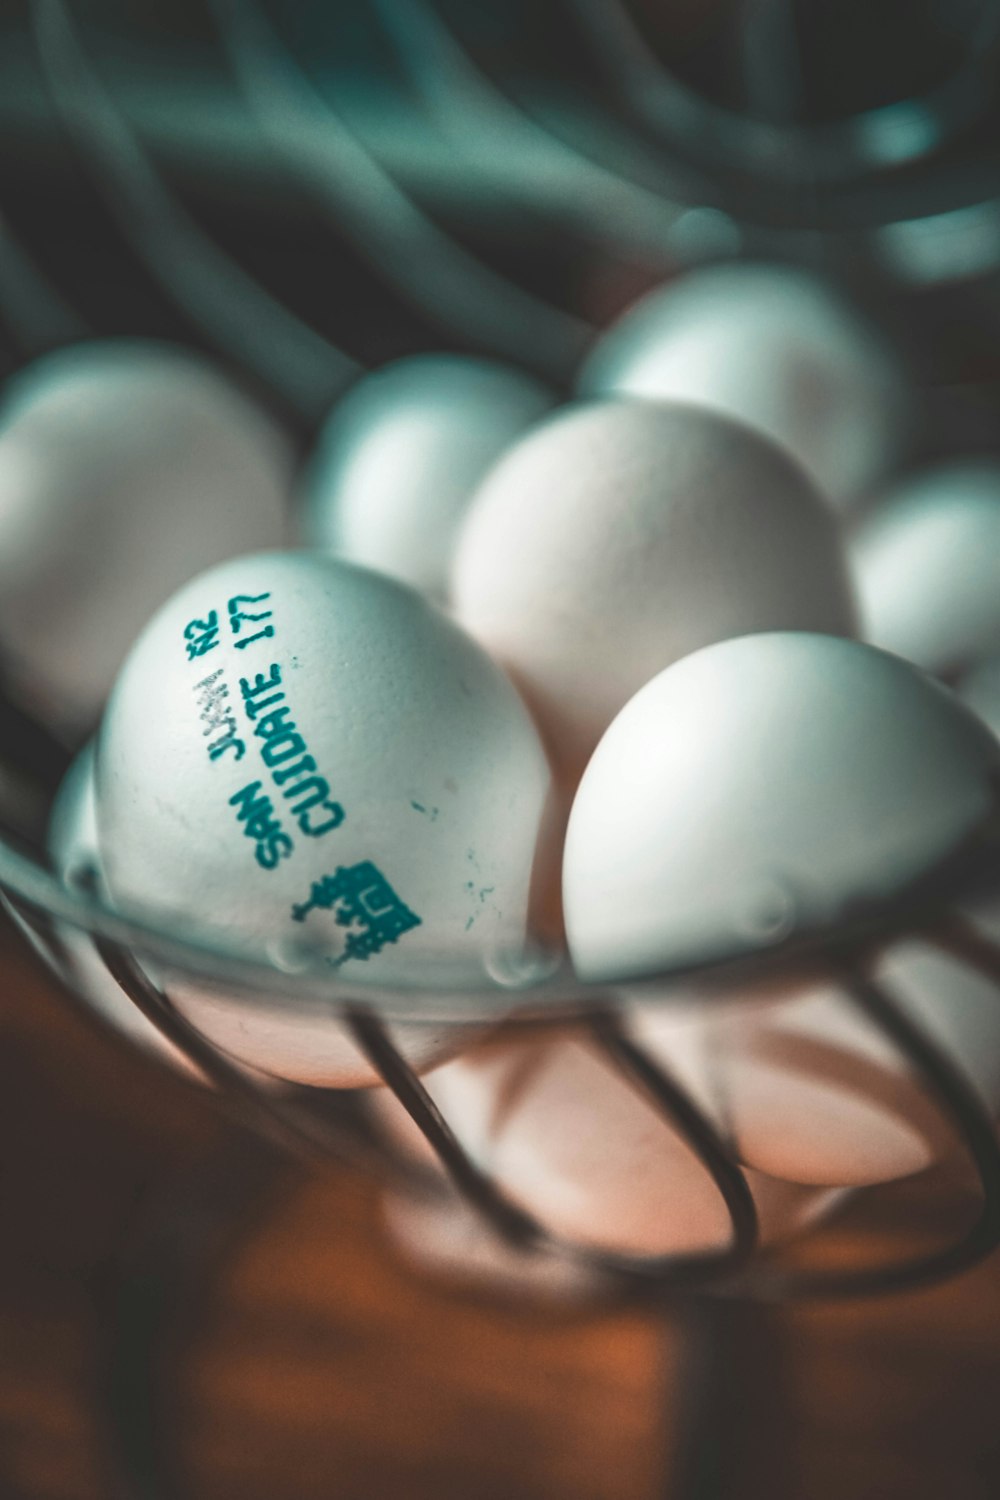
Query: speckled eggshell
306	757
773	347
125	468
621	535
573	1143
926	564
401	455
765	786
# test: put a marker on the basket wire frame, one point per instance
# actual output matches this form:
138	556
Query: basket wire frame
305	371
316	1123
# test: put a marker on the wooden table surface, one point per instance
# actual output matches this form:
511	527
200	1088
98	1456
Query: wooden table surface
306	1359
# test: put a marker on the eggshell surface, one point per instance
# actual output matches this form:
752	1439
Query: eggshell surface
775	348
926	565
322	765
765	786
577	1146
125	468
621	535
401	455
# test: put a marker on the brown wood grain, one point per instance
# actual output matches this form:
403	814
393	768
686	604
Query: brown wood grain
309	1360
315	1362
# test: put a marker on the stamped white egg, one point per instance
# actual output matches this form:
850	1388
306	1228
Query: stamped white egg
125	468
771	346
619	536
401	455
926	564
306	757
570	1140
766	788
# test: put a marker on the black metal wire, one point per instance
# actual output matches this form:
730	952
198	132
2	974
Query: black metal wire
962	1109
312	1123
425	264
301	1131
234	312
514	1225
682	1113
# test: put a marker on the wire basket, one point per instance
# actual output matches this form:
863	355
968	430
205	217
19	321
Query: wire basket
841	195
335	1122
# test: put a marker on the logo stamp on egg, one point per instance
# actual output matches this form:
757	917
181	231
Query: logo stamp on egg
362	899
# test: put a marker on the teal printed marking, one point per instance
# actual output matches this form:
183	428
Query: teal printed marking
202	636
238	617
303	788
262	635
360	898
213	711
256	813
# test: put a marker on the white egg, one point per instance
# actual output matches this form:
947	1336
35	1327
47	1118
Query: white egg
773	347
125	468
401	455
926	565
582	1150
307	757
621	535
774	786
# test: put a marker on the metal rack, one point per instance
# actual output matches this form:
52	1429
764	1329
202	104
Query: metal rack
304	370
323	1122
842	197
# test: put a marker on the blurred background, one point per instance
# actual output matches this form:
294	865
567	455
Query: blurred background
183	1311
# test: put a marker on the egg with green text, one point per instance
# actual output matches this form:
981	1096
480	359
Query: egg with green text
307	759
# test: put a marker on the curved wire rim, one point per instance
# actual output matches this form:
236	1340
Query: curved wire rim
444	988
290	1119
232	310
732	1271
832	149
959	1105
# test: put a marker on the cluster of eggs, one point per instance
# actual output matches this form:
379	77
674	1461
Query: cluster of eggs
638	677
